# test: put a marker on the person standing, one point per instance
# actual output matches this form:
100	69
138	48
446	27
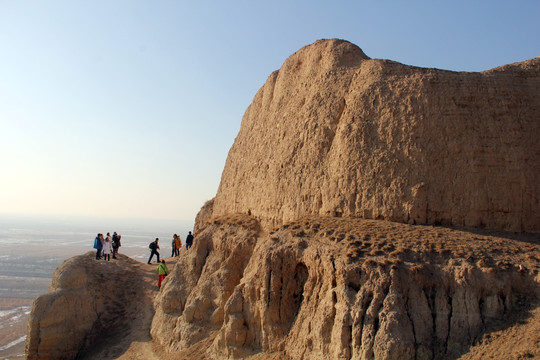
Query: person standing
154	246
115	244
178	244
98	246
102	241
107	248
173	245
189	240
162	272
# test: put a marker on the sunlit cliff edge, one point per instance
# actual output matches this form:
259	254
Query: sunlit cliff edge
367	209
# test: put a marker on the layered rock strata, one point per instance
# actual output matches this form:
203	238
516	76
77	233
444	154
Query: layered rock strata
335	133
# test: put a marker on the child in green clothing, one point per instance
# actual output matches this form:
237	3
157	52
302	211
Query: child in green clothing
162	272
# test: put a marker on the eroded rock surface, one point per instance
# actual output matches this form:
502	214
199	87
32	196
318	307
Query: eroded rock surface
191	305
336	133
91	304
322	288
337	136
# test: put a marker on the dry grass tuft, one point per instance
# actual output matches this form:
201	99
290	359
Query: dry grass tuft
370	263
243	220
362	239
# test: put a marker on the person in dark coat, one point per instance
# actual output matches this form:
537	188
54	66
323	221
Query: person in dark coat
115	244
154	246
189	241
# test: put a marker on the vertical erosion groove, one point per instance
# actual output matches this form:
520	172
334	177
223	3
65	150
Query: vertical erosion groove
205	259
301	275
269	287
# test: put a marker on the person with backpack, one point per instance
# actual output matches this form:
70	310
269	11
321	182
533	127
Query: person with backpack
154	246
162	272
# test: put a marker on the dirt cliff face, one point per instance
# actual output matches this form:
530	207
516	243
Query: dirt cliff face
337	137
323	287
335	133
91	305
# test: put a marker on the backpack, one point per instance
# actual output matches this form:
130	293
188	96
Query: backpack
152	245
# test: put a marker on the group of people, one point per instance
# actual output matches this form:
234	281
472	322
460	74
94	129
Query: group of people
105	246
176	245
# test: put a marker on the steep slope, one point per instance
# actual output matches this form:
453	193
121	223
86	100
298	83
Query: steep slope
334	133
324	287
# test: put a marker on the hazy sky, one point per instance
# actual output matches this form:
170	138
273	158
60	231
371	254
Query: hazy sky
128	108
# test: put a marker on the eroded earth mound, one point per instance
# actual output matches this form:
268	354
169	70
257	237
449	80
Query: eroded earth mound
334	137
94	309
323	287
335	133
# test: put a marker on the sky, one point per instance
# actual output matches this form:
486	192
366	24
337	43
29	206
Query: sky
127	109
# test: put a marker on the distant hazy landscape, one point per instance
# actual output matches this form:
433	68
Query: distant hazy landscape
31	247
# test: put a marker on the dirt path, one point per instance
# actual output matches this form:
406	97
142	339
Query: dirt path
131	339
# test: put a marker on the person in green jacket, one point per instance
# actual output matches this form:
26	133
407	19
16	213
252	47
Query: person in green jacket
162	272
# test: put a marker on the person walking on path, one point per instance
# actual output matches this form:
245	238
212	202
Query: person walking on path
162	272
107	248
154	246
189	240
177	244
98	246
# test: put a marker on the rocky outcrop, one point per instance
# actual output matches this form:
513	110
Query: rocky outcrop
90	304
335	133
337	288
192	307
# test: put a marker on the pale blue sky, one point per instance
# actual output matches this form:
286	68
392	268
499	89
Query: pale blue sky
128	108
